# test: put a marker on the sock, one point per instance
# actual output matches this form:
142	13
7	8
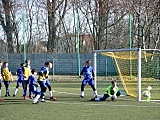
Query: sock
7	92
42	95
15	91
36	98
95	93
50	93
97	99
82	93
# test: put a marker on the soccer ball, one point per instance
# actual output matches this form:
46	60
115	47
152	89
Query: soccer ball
145	93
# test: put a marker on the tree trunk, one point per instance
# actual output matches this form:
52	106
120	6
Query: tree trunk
51	46
8	28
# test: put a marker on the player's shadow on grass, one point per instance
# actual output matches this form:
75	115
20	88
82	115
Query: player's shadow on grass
15	101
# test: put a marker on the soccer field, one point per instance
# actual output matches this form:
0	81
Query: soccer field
70	107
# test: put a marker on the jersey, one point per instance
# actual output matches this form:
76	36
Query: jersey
20	73
44	75
6	74
111	91
26	72
88	72
32	81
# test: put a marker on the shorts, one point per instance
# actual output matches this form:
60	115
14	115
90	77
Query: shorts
34	90
20	81
42	85
89	81
47	83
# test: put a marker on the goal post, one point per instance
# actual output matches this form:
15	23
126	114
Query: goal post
135	69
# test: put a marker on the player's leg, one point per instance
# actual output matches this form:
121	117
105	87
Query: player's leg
91	83
6	83
43	90
105	96
84	82
30	94
30	91
37	95
17	86
118	93
26	86
25	89
47	83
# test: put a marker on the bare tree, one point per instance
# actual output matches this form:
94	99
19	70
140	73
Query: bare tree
54	21
7	23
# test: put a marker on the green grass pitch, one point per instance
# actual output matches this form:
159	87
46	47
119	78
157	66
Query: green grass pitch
70	107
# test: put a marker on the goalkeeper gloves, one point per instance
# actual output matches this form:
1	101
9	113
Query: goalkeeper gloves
113	96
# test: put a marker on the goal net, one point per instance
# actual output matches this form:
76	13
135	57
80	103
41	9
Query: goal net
135	70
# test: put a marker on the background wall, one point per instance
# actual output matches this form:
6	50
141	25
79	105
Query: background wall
65	64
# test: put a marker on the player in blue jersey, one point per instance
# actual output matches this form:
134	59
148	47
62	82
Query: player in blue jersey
111	91
20	78
43	80
88	73
33	86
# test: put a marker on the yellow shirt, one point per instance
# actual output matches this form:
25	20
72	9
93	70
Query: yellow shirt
6	74
27	73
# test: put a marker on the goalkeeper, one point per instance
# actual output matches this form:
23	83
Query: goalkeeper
111	91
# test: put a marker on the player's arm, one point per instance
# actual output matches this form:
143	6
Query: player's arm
108	91
116	90
93	75
45	73
81	73
23	72
3	74
11	75
41	73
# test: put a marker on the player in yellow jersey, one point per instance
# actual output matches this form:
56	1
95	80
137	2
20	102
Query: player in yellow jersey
0	78
26	73
7	77
44	82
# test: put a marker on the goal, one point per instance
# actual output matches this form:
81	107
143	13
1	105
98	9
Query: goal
135	69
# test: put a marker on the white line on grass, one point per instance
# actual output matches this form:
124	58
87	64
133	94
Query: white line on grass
96	104
79	94
100	104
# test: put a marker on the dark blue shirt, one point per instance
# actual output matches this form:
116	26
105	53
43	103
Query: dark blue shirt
88	72
32	81
20	73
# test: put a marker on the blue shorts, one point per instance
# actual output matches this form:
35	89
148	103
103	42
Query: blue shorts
6	82
0	81
47	82
89	81
34	90
20	81
42	84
